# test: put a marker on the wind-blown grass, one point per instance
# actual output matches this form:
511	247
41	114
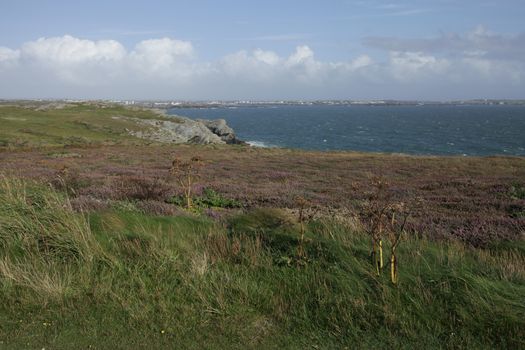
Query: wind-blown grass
124	279
43	243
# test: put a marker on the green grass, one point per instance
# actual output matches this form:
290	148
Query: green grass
208	199
121	279
75	125
517	191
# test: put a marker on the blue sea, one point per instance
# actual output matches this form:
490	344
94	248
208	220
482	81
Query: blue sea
470	130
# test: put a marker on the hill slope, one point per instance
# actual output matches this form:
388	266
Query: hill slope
97	249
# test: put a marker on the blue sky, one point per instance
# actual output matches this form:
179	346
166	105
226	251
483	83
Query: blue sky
441	49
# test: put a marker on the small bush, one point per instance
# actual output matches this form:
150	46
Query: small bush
517	191
208	199
139	188
69	181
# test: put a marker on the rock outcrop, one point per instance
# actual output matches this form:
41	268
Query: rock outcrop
221	129
184	130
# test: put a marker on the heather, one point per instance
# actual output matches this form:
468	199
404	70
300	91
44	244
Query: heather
475	200
123	244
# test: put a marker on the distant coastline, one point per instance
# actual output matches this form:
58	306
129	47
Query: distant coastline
174	103
166	104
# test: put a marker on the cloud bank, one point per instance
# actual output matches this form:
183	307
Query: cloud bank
470	65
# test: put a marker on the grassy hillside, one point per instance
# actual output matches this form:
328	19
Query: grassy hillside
121	279
69	124
98	251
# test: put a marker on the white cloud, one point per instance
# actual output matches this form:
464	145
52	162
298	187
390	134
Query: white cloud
268	57
170	68
511	72
260	65
254	66
6	54
86	62
360	62
8	57
70	50
416	65
77	61
302	54
304	67
161	56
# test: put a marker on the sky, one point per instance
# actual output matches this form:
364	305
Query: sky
262	50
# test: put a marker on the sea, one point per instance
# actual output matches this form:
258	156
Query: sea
466	130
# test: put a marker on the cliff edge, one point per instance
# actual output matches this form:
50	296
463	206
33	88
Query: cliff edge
185	130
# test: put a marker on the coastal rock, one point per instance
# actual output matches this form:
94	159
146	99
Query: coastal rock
177	129
180	130
221	129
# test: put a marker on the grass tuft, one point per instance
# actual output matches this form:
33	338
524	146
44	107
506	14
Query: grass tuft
43	242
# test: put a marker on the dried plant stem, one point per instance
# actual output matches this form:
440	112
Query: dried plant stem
393	268
394	275
303	204
301	223
185	172
188	192
381	264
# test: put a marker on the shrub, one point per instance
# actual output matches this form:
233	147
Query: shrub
517	191
139	188
69	181
208	199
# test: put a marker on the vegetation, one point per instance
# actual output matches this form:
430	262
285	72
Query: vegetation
77	124
125	279
209	199
185	173
100	249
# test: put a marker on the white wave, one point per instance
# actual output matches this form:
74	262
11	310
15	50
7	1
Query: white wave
260	144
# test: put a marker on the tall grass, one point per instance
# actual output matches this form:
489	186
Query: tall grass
43	243
123	279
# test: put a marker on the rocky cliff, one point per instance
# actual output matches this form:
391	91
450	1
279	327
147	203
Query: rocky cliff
221	129
185	130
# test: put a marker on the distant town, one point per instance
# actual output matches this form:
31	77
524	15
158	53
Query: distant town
168	104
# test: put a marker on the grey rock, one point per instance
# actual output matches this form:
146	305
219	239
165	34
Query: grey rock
221	129
184	130
181	130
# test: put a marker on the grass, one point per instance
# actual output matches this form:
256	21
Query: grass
78	124
209	199
97	252
115	279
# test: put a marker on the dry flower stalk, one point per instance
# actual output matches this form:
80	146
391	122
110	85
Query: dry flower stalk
185	173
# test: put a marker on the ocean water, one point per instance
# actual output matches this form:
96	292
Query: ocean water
470	130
